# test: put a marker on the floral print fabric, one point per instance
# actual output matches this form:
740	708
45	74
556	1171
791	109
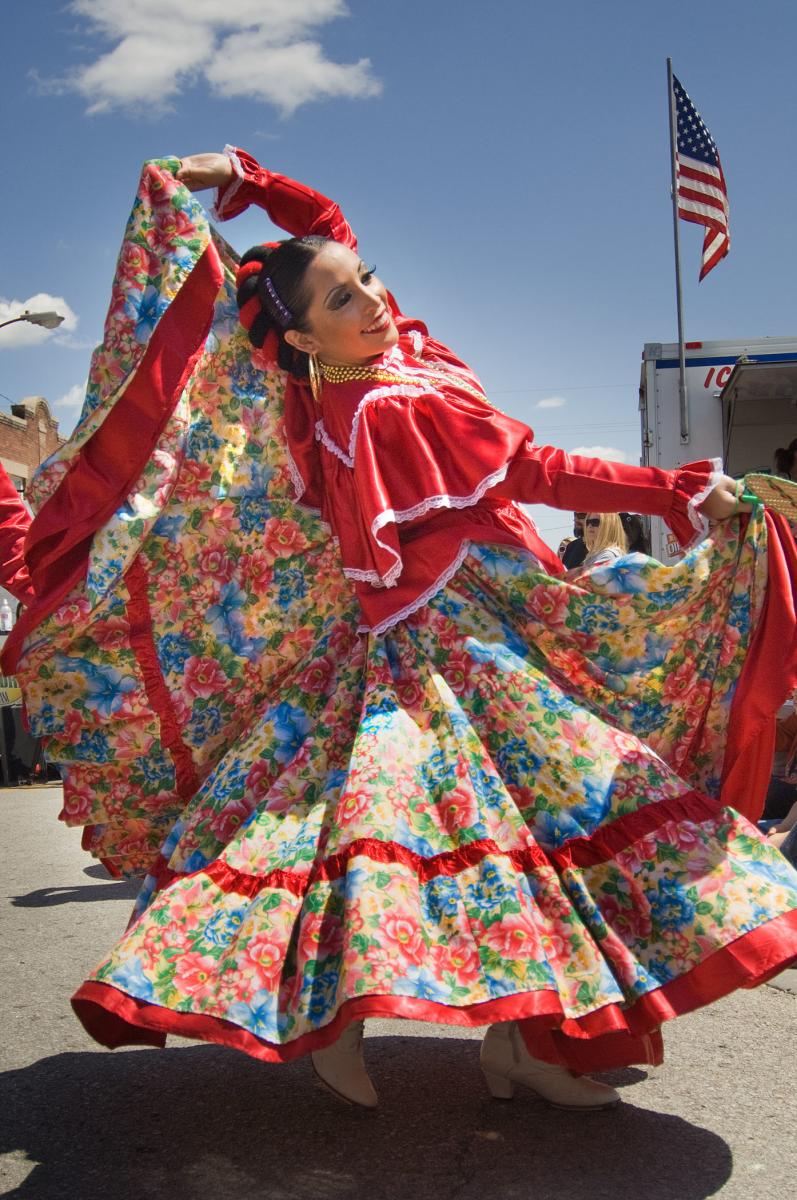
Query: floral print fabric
507	805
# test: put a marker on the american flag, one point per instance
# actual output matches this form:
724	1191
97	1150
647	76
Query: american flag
702	194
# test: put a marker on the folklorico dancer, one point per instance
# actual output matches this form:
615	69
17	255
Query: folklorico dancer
312	671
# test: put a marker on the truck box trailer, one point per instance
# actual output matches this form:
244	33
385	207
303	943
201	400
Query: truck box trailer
742	400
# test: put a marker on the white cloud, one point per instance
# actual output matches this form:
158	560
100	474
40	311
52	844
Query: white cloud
24	334
73	399
257	49
609	452
551	402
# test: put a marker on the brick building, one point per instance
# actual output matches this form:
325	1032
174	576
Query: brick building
28	435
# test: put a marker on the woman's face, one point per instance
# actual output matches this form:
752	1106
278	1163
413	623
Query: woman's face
348	319
592	523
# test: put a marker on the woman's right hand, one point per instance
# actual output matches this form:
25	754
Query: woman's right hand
200	171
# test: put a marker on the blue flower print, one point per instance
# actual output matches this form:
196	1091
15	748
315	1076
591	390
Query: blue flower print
223	926
292	585
421	983
174	651
168	528
670	906
259	1017
148	313
106	689
130	978
291	727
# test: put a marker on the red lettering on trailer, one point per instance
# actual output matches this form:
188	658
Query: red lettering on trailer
723	375
709	377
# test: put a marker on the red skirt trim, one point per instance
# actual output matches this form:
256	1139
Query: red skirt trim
609	1037
604	844
143	645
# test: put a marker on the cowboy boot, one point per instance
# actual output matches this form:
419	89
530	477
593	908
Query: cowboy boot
505	1061
342	1068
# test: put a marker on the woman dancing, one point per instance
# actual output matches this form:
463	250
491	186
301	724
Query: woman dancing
479	795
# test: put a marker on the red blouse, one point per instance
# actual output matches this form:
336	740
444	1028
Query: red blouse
412	464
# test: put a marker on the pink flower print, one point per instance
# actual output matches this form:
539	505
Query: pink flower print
283	538
267	957
353	805
315	678
203	677
194	971
457	670
549	604
216	563
515	936
459	809
77	805
459	958
225	825
403	933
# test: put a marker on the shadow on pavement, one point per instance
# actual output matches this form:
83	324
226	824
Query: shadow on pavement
116	889
203	1121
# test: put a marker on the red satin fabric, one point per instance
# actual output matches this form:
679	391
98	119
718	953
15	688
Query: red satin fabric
14	524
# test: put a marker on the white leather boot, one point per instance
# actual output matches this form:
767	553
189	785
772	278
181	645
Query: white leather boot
505	1061
342	1068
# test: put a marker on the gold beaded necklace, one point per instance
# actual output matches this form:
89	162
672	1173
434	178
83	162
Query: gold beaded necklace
335	374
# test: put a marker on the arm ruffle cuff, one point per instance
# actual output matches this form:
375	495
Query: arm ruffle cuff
694	483
224	195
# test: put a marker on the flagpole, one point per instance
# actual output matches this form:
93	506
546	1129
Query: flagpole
682	392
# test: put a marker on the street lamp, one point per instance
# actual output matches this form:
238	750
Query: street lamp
47	320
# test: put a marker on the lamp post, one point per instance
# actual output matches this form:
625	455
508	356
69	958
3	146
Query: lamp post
47	320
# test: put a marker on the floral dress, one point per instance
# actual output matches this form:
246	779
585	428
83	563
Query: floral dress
474	793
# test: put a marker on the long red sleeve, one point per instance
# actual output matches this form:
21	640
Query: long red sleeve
14	524
545	475
294	207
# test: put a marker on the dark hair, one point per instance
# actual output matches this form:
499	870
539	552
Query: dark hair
784	459
634	528
279	286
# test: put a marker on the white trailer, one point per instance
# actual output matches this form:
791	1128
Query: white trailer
742	403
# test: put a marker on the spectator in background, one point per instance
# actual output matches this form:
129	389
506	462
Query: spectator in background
605	539
784	461
575	550
638	542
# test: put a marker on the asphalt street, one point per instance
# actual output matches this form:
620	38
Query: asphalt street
79	1123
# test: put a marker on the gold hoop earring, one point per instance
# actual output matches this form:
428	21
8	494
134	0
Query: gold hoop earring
314	372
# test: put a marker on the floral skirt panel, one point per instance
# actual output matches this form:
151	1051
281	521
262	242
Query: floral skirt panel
459	821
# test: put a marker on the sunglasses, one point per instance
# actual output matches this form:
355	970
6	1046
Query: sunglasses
593	522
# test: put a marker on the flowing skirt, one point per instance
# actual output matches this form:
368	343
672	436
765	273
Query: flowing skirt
503	808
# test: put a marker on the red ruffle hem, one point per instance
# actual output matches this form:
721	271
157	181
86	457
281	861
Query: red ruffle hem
608	1038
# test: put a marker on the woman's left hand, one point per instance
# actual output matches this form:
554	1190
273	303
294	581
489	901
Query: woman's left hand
200	171
725	500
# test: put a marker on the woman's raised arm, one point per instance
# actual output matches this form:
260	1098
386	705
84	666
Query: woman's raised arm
241	181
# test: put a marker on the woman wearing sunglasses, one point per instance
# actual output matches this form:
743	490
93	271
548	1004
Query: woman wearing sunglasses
604	538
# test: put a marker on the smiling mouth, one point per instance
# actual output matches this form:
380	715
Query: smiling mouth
380	324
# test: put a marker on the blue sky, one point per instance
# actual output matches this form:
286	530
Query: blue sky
505	165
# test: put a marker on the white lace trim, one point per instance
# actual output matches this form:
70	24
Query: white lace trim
217	211
698	521
390	516
326	441
424	597
443	500
416	337
295	474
